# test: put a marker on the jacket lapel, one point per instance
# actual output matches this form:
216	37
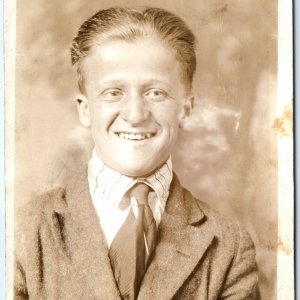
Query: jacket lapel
87	246
183	240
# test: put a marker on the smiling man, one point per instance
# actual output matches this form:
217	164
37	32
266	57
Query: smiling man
124	227
134	100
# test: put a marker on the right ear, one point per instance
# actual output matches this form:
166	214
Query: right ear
83	110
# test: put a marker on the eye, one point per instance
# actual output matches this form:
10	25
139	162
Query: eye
112	94
156	94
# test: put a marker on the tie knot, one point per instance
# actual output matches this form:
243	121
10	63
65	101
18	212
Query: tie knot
140	191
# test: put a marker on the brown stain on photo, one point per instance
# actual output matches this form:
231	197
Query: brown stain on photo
287	249
283	125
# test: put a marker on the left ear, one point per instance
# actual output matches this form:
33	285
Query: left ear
186	109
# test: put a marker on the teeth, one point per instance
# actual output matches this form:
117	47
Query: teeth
134	136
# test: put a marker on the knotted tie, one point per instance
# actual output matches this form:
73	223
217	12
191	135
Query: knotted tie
133	245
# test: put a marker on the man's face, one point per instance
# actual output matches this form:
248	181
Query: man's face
135	101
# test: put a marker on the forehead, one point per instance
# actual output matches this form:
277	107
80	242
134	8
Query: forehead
141	58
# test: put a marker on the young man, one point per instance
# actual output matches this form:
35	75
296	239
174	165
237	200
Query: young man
124	227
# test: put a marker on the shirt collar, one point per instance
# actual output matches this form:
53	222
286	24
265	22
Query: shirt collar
109	186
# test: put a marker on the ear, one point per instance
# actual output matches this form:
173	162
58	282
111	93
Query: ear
83	110
186	109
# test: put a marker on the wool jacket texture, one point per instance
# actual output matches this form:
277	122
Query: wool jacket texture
60	251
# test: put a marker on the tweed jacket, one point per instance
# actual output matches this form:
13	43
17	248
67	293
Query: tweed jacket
60	251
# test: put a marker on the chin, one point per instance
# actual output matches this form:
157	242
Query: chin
136	170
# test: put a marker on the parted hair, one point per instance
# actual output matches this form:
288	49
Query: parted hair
129	24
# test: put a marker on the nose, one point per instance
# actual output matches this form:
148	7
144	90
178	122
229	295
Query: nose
135	109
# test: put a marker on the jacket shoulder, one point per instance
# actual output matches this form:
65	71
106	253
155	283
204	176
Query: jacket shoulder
30	216
226	229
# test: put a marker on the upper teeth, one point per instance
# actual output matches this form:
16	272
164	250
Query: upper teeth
134	136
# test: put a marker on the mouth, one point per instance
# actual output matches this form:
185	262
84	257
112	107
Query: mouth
134	136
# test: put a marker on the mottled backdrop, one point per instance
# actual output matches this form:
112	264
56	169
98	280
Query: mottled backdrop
227	154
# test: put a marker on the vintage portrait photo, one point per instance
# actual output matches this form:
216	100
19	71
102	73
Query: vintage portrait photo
149	150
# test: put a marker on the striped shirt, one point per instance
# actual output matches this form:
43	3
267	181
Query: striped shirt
107	188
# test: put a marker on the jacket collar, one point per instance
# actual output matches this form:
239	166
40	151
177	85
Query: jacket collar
183	238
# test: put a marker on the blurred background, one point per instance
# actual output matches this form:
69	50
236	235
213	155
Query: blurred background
226	155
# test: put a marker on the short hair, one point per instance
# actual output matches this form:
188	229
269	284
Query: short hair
128	24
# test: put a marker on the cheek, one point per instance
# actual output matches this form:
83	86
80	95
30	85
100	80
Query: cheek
166	113
172	121
102	116
169	123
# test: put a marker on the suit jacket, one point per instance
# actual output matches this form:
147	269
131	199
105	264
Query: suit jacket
60	251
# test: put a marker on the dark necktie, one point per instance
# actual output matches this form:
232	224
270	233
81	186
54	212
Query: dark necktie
133	245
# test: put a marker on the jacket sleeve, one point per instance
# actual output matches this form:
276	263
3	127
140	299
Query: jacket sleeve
20	290
242	278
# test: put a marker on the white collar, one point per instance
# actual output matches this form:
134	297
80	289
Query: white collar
110	186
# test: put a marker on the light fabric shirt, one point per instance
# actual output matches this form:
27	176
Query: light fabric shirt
107	188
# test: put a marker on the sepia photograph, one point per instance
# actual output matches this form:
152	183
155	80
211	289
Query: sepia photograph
149	150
